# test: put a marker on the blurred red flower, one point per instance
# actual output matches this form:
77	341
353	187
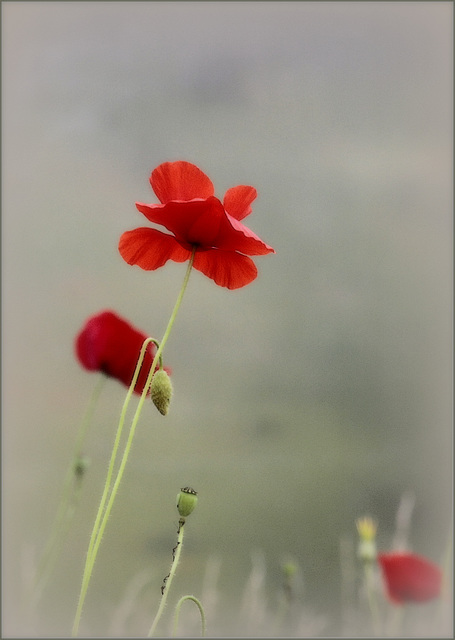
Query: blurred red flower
111	345
196	219
409	577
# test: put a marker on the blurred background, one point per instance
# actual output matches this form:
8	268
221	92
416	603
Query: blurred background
319	393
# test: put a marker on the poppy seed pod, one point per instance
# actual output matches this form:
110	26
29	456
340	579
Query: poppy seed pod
161	391
186	501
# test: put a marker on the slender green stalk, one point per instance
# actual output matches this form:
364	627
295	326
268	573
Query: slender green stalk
201	611
136	417
165	588
90	559
68	501
105	509
372	602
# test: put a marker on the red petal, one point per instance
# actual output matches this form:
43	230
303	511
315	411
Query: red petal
237	201
150	248
234	236
111	345
226	268
194	223
180	181
409	577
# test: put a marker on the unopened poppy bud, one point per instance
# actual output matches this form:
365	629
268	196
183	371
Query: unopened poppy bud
186	501
161	391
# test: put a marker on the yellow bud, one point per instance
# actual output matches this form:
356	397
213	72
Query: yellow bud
161	391
367	528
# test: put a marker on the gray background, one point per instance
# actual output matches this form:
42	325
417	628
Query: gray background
317	394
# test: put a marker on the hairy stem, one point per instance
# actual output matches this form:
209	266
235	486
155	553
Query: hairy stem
168	580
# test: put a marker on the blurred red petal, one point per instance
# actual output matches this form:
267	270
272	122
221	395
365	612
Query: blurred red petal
111	345
409	577
180	181
237	201
226	268
150	248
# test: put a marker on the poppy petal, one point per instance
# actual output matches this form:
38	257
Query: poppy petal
180	181
226	268
409	577
237	201
150	248
111	345
234	236
194	223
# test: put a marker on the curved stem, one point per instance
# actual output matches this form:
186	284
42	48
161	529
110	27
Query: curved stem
168	581
157	358
90	559
201	611
105	509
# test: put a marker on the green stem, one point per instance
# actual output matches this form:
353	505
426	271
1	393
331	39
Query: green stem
68	502
201	611
90	559
372	602
158	357
105	509
167	586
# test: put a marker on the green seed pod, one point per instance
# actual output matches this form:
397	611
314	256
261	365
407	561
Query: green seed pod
161	391
186	501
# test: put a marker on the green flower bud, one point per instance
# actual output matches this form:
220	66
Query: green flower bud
161	391
186	501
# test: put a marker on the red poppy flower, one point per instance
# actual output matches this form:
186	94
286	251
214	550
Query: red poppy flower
109	344
196	219
409	577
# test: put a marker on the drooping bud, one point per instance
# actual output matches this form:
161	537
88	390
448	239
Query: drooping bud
186	501
161	391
